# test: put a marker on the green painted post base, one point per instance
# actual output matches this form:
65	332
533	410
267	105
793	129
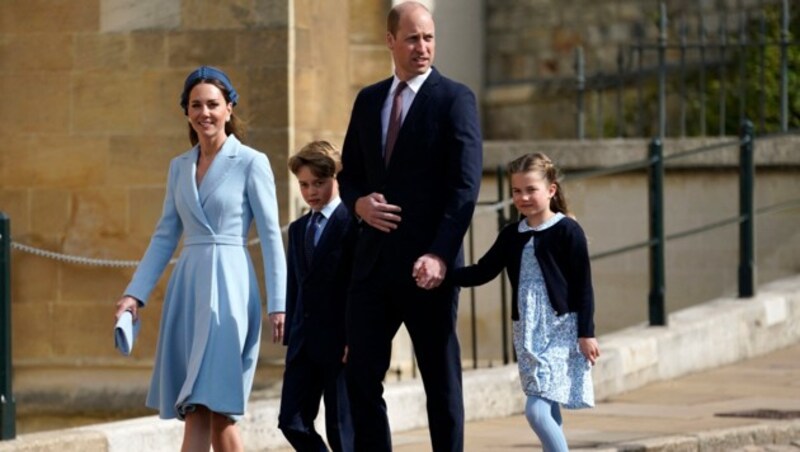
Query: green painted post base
7	418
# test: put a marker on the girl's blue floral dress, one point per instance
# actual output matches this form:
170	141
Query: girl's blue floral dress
551	365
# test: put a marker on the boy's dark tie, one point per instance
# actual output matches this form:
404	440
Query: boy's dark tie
311	232
395	121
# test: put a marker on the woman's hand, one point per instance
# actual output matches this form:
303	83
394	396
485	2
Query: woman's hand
276	320
589	348
128	303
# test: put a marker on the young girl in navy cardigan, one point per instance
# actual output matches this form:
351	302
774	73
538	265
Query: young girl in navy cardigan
552	303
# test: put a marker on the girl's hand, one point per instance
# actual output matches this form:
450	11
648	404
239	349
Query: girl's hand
127	303
589	348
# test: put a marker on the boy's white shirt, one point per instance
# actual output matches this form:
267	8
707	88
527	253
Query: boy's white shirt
326	212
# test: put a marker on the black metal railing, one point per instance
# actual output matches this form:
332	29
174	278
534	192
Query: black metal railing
657	239
701	74
732	68
654	166
7	415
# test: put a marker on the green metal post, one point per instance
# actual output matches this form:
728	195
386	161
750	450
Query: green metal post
656	204
580	78
784	43
501	221
662	70
473	322
7	416
747	265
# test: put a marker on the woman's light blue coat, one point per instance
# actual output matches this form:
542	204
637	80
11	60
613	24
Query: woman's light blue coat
211	321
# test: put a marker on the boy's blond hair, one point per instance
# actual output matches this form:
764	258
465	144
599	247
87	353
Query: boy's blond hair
321	157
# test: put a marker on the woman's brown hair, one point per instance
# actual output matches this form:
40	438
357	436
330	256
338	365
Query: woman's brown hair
235	126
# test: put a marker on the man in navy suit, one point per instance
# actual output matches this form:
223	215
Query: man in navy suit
319	263
412	163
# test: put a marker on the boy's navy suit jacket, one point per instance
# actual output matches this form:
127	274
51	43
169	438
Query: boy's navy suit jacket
316	295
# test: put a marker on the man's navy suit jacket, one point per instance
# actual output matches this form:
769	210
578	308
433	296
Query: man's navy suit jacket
316	295
434	174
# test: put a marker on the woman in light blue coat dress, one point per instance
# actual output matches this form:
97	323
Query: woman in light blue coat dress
211	322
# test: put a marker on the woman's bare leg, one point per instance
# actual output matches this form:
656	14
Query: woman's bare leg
225	436
197	430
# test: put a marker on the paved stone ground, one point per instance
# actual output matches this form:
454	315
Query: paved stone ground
663	414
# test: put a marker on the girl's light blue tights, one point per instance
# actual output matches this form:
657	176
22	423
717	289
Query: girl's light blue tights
544	416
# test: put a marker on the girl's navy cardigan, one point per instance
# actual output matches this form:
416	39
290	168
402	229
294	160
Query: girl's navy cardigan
563	257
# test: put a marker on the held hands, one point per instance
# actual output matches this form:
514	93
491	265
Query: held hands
376	212
276	320
589	348
429	271
127	303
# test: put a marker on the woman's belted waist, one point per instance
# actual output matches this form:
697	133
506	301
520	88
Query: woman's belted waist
214	239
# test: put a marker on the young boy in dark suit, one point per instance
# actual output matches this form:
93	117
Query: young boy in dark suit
319	261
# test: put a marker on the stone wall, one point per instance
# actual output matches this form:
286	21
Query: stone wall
89	134
92	121
531	46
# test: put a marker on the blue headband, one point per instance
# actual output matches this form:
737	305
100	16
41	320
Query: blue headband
207	73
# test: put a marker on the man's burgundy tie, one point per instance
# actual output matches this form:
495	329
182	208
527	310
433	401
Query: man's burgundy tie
395	120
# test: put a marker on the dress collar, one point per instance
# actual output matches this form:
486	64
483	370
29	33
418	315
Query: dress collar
523	224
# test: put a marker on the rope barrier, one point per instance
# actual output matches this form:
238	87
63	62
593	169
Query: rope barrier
80	260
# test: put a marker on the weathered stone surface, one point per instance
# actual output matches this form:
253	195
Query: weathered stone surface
101	51
50	211
265	47
161	111
107	102
14	203
367	22
31	320
41	103
99	212
128	15
271	13
136	161
268	99
26	16
145	210
55	161
216	14
147	50
44	287
72	339
368	65
22	53
194	48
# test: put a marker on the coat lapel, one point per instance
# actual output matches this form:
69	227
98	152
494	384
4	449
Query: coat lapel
375	159
227	159
187	185
331	235
414	112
